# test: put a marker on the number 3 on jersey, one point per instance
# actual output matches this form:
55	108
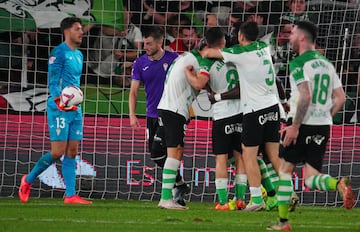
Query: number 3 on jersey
271	79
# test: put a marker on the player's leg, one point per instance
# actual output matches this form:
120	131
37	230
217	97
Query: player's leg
314	179
254	178
171	166
252	136
158	154
221	181
174	126
41	165
69	163
271	152
156	144
290	156
224	141
274	178
240	181
271	200
272	145
58	130
284	192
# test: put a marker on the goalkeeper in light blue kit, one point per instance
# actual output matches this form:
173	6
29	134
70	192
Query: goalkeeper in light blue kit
64	122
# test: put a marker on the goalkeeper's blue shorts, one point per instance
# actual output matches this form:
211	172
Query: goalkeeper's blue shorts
64	126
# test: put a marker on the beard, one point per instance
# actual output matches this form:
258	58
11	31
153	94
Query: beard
152	53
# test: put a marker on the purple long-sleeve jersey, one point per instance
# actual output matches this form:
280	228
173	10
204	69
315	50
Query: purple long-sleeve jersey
153	74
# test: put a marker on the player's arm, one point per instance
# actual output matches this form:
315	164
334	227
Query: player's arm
292	131
55	66
339	100
133	96
197	81
55	71
231	94
303	103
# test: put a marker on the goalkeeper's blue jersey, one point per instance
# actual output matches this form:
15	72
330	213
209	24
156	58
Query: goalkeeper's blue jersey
64	69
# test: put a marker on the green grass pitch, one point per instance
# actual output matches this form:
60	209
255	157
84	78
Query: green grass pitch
121	215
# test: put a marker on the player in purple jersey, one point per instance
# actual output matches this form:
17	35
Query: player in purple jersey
65	123
150	69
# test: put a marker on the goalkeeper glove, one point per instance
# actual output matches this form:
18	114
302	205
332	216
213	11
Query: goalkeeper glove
62	107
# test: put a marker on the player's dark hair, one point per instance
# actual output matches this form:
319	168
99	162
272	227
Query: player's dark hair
68	22
250	30
153	31
213	36
309	28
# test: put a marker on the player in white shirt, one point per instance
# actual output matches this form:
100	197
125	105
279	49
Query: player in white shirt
227	116
316	96
174	115
259	102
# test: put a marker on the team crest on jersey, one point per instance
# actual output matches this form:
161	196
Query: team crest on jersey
165	66
52	59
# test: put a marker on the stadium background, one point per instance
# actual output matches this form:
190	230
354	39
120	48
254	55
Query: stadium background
118	154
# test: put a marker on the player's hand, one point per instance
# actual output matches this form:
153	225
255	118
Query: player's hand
134	122
62	107
291	135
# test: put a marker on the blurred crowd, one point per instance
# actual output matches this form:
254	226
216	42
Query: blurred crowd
110	52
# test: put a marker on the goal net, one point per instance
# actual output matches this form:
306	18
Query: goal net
113	161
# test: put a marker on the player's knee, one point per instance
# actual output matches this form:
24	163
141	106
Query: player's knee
160	161
158	156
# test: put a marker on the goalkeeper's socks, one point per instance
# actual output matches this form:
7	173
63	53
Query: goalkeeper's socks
43	163
321	182
69	174
169	176
240	186
221	190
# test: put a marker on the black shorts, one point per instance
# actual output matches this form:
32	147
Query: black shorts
226	135
261	126
151	128
310	146
174	126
